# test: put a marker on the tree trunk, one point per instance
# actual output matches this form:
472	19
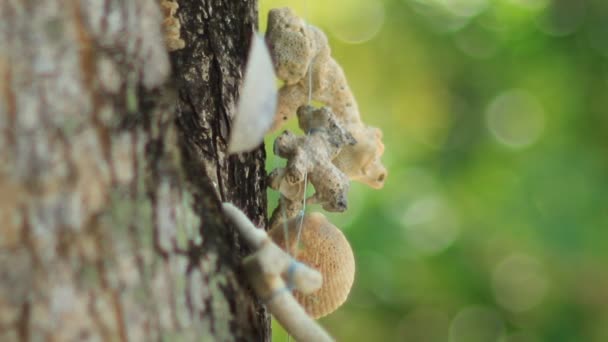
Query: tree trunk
112	169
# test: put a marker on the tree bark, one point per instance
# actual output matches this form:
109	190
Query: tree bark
112	169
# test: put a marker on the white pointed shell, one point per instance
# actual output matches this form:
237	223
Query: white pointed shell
257	102
324	248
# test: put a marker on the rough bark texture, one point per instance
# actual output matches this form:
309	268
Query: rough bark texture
112	168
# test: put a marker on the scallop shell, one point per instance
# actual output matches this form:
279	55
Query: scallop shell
323	247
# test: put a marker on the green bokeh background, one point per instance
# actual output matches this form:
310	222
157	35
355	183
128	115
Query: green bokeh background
493	223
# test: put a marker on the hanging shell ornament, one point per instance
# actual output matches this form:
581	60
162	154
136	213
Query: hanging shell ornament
322	246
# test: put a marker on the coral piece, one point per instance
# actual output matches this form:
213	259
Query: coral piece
302	59
294	47
290	203
290	45
267	267
171	25
310	157
361	161
323	247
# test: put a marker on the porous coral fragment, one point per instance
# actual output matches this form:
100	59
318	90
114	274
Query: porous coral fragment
302	59
309	158
171	25
337	147
301	55
291	48
361	161
290	203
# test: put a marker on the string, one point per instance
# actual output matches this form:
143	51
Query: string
290	282
284	214
303	211
282	198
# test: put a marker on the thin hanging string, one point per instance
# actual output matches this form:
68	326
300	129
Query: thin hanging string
284	214
282	198
313	59
310	79
303	211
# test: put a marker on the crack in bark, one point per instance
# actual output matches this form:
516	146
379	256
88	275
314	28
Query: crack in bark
24	322
216	78
118	312
9	100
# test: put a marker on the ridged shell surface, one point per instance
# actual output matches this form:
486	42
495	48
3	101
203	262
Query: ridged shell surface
323	247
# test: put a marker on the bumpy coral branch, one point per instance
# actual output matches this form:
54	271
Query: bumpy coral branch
171	25
266	269
295	46
361	161
310	157
290	204
337	147
302	59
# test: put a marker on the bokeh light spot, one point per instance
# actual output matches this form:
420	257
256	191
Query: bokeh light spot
519	283
458	8
521	337
448	15
562	18
358	22
476	42
597	31
465	8
424	324
430	224
515	118
532	5
379	269
476	324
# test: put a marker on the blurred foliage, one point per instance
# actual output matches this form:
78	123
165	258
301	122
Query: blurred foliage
493	223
